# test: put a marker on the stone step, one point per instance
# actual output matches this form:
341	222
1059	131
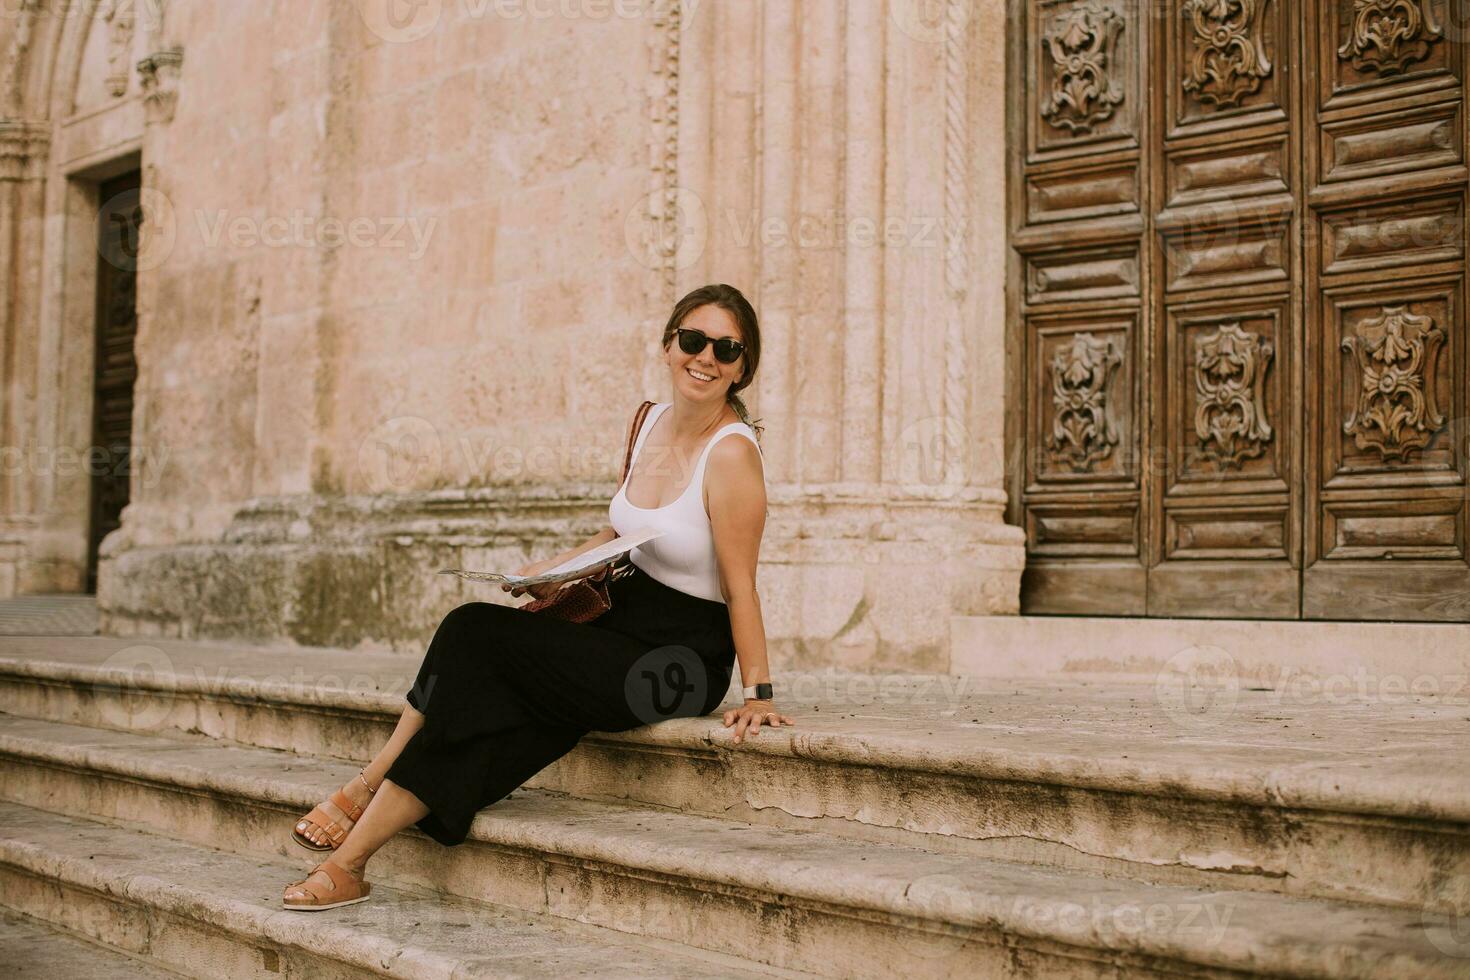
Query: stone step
792	899
1357	800
36	950
49	615
1304	660
206	913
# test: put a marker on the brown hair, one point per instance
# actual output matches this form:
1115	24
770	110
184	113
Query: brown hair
731	300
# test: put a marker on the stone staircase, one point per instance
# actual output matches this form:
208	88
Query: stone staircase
929	826
39	951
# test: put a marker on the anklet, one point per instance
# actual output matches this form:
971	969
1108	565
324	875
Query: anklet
364	782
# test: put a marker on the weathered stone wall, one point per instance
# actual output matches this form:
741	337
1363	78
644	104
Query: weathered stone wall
403	285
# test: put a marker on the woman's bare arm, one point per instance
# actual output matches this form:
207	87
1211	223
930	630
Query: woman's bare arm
737	510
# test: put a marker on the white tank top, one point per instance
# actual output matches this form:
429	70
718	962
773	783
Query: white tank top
683	557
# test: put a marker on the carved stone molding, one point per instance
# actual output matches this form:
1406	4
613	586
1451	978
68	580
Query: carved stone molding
1396	411
23	147
664	149
23	21
1230	59
119	16
1080	40
956	223
1389	35
159	74
1082	430
1230	381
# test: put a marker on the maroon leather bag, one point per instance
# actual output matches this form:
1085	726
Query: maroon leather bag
583	600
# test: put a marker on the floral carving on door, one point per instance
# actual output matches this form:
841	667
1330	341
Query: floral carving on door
1387	36
1229	382
1395	412
1080	41
1230	58
1083	430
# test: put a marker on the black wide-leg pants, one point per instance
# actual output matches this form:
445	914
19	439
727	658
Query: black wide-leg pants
506	692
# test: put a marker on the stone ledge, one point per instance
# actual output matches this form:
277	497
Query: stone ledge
525	511
849	574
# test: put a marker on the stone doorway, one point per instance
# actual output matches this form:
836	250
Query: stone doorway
119	234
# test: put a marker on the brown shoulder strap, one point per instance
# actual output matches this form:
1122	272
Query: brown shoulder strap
632	437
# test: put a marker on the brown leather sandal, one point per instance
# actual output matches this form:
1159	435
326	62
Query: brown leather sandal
336	834
316	896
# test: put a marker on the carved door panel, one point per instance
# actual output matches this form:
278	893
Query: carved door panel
1078	223
1226	522
1386	358
1239	235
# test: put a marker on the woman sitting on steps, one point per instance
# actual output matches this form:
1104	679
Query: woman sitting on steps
503	692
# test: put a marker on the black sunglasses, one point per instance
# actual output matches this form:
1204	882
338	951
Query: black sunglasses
727	351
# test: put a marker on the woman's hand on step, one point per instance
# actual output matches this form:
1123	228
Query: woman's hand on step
749	717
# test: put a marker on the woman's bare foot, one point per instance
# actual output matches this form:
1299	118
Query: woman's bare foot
313	826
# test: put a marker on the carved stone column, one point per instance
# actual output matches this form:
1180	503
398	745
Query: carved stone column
24	145
851	184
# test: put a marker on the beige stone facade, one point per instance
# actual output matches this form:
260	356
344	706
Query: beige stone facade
401	282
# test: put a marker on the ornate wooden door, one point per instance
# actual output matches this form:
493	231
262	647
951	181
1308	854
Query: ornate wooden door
1240	350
